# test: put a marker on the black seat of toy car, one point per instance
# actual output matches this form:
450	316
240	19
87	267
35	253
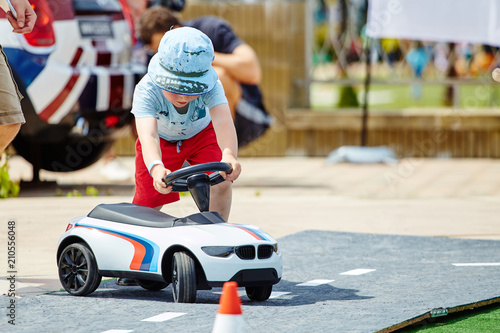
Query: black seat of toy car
149	217
132	214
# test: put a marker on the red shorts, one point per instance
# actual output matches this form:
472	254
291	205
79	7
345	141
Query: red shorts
201	148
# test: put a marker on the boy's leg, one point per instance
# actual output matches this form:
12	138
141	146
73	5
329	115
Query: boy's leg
204	148
221	198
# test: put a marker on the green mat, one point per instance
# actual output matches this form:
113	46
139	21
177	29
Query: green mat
483	319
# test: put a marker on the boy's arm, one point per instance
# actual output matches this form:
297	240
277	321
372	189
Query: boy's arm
226	137
147	131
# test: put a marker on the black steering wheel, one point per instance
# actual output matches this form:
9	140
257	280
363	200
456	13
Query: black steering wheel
178	178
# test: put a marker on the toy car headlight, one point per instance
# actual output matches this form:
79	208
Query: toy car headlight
276	249
218	251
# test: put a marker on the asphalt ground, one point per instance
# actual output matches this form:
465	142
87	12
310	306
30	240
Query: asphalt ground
289	198
332	282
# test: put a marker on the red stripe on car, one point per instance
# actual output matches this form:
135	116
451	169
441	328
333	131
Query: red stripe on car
103	54
46	113
77	57
247	230
57	102
116	83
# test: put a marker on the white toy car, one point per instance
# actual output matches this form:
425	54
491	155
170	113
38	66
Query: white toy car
199	251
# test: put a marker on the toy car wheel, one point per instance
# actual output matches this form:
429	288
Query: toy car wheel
183	278
152	285
78	271
260	293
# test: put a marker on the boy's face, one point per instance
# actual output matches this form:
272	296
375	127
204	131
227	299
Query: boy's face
177	99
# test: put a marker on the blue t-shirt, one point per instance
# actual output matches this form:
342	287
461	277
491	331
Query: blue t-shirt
173	126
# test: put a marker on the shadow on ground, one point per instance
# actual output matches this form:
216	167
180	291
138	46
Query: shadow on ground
293	295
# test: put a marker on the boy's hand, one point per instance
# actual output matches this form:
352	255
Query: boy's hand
228	157
158	172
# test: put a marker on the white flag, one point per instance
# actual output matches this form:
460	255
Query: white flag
473	21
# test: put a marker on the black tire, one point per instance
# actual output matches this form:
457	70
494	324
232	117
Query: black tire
259	294
183	278
50	146
65	155
152	285
78	271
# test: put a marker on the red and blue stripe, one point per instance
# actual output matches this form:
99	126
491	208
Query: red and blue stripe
146	252
257	234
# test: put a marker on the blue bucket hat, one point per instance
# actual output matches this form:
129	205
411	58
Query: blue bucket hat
183	64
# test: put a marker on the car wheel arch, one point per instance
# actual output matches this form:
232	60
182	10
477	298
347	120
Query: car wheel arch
71	240
40	142
166	266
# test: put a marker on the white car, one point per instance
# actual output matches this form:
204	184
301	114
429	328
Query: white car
77	74
193	253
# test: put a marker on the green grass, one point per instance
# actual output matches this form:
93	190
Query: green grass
325	96
480	320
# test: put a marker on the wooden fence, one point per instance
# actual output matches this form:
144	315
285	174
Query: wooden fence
429	133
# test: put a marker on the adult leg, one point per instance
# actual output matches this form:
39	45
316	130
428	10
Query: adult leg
11	115
7	134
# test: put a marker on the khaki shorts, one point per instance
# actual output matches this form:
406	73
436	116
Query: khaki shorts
10	97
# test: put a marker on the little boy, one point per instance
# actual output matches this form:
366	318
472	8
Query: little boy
181	114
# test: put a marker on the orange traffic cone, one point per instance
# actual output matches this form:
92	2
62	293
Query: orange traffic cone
229	318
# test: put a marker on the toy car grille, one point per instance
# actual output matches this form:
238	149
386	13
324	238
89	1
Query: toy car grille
246	252
265	251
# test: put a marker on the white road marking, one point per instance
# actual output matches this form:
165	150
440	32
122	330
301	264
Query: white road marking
314	283
478	264
358	271
276	294
118	331
241	292
107	289
164	316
